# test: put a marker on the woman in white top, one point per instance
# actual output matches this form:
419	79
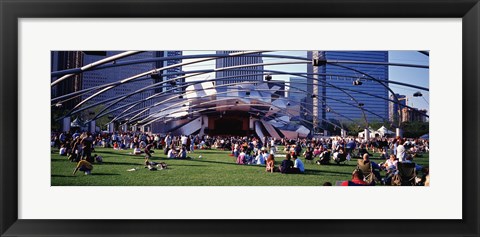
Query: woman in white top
172	153
400	151
62	151
391	164
260	159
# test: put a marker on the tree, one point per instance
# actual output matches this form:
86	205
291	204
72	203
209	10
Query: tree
89	114
415	129
56	113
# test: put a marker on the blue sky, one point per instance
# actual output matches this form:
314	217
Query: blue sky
416	76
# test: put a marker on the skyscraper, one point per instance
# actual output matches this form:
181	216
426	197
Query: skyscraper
297	88
239	74
393	108
335	103
115	74
171	72
61	60
72	59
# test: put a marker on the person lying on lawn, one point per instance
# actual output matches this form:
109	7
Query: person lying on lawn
149	164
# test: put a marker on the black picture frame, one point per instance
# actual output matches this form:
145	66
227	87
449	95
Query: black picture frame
11	11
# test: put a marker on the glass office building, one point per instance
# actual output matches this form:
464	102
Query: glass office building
237	75
114	74
171	73
335	104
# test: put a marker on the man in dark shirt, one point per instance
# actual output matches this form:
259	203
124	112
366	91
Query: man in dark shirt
298	149
87	145
147	151
287	164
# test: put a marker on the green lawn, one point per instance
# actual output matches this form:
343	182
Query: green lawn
215	168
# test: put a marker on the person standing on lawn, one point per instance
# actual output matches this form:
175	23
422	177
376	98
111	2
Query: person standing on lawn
147	151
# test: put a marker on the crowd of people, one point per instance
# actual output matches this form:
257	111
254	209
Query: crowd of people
250	150
78	146
392	151
254	151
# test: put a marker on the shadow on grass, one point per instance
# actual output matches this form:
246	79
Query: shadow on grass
62	176
220	162
332	164
185	165
320	172
60	160
119	163
103	174
207	161
73	176
114	152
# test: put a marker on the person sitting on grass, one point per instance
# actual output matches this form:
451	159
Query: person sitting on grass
324	158
265	156
298	166
84	166
339	156
287	164
172	153
249	159
409	159
362	151
244	158
182	154
357	179
375	166
241	159
136	150
98	159
62	151
235	150
260	159
308	155
298	149
384	155
287	148
317	151
115	146
270	167
391	166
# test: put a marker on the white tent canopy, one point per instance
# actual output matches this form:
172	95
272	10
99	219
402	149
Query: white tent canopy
371	131
383	131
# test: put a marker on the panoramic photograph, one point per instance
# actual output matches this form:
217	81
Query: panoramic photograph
240	118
